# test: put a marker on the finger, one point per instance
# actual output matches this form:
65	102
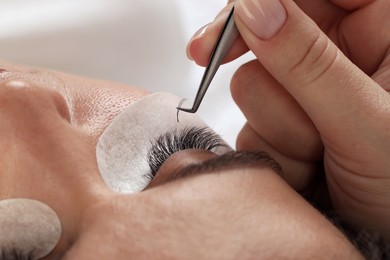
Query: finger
202	43
299	174
274	114
351	4
335	94
320	8
382	75
364	35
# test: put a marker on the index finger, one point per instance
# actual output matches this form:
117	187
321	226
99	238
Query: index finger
202	43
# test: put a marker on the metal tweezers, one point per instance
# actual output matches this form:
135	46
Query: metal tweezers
225	41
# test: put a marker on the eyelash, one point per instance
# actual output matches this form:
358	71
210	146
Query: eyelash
15	254
187	138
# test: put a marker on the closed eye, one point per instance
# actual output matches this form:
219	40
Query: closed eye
187	138
137	142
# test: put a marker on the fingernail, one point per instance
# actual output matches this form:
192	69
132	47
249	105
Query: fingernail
263	17
199	34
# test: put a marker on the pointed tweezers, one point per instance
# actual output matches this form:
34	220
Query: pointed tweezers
226	40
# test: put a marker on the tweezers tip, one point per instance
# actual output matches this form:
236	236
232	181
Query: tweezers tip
179	108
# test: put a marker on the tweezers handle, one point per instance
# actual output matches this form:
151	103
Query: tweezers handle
229	34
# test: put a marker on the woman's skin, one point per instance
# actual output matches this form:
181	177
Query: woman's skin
235	208
317	96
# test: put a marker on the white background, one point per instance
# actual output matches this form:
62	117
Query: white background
138	42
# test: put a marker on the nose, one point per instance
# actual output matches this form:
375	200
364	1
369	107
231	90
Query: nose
45	155
21	99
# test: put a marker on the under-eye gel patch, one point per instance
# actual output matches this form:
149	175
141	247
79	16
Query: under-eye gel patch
28	227
122	150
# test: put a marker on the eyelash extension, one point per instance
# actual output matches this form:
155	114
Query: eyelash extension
15	254
187	138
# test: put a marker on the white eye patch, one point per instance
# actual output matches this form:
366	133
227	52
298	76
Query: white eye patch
28	227
122	150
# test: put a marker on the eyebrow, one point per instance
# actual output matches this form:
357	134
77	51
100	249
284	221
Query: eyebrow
228	161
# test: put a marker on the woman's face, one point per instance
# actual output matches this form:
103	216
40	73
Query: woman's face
227	207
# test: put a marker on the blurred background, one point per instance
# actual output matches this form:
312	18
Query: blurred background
137	42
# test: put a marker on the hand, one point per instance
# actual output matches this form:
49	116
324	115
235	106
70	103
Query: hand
317	93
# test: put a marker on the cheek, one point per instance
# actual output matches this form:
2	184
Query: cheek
93	107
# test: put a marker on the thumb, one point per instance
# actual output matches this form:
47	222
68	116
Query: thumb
335	93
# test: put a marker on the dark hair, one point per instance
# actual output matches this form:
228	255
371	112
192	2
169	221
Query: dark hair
370	244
